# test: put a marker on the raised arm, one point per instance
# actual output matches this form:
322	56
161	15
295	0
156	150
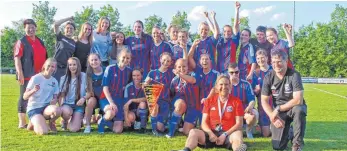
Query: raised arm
288	31
57	23
191	61
209	22
236	19
216	31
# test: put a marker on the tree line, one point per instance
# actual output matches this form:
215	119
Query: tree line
320	48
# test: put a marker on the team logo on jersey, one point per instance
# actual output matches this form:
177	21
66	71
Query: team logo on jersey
132	93
213	109
229	108
115	75
274	91
133	43
151	50
157	77
287	88
52	85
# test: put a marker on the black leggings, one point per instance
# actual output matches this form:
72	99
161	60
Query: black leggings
22	104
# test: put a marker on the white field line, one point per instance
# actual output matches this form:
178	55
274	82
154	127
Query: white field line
344	97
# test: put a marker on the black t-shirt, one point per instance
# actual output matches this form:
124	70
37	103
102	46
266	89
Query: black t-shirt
64	48
282	90
266	46
81	52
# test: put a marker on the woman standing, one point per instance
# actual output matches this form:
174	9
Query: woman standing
158	47
83	45
118	45
102	40
29	56
73	95
140	46
65	45
42	93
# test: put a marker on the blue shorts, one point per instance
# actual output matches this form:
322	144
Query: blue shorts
76	108
192	116
264	120
164	109
33	112
119	102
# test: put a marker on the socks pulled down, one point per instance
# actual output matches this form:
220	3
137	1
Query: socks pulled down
174	121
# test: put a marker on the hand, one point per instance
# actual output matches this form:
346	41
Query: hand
148	80
213	14
127	123
257	89
273	115
206	14
36	88
196	42
237	5
53	101
126	105
176	72
221	139
213	138
278	123
247	110
113	106
113	35
249	76
203	100
81	101
287	27
20	78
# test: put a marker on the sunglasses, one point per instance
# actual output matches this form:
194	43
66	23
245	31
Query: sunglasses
233	72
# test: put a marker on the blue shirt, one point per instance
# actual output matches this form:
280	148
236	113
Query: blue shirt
116	80
101	45
156	51
243	90
164	78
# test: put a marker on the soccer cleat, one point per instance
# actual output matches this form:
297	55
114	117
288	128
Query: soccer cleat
87	130
243	147
156	133
101	126
296	147
168	136
23	126
249	133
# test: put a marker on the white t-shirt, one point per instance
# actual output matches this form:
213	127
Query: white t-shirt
70	97
48	88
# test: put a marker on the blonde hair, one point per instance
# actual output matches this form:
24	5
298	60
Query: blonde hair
98	29
185	61
203	23
48	61
220	77
81	34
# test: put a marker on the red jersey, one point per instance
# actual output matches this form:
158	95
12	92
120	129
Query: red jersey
39	52
232	109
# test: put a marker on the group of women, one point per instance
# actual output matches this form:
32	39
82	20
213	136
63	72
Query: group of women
106	70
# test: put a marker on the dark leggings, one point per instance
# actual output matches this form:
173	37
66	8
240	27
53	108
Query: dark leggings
22	104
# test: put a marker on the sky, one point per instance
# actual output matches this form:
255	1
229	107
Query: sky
266	13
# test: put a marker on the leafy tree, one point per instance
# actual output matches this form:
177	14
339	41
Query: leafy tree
9	36
180	20
127	30
152	21
112	14
244	23
88	14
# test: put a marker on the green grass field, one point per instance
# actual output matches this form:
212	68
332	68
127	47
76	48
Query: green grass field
326	127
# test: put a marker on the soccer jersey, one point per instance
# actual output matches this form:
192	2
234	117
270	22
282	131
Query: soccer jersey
116	79
156	51
206	82
233	108
282	45
246	58
97	83
258	78
164	78
226	52
188	92
178	51
132	92
64	49
266	46
243	90
48	88
70	97
140	52
208	46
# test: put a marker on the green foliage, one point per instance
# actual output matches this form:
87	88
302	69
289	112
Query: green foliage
9	36
244	23
152	21
127	30
43	16
112	14
181	21
88	14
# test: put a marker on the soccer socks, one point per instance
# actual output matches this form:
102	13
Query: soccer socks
143	117
175	119
154	121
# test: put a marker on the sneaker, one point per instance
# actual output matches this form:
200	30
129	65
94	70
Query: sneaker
23	126
180	130
30	127
156	133
141	131
137	125
243	147
87	130
52	127
63	125
249	133
296	147
168	136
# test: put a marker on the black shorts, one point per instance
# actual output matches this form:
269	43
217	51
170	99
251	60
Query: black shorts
209	144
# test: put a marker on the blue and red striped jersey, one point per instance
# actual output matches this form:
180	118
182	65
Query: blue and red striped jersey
116	80
164	78
131	92
156	51
226	52
246	58
243	90
140	52
207	46
283	46
207	81
178	51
